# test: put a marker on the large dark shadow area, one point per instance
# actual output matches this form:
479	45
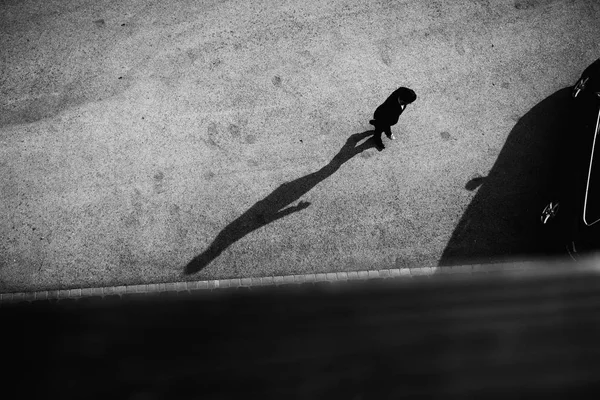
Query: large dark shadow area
502	222
488	337
278	204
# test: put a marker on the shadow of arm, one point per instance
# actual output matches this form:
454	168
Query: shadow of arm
290	210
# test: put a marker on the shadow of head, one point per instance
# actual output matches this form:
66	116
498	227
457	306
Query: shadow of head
502	219
475	183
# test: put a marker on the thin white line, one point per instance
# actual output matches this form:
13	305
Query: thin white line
590	174
364	275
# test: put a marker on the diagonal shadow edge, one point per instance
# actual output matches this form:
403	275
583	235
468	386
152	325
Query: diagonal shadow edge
501	223
278	203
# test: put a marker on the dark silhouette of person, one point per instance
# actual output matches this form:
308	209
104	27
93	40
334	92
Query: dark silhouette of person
388	113
277	204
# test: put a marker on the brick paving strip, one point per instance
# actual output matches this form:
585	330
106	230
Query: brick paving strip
334	277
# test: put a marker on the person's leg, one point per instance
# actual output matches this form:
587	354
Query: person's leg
377	136
389	134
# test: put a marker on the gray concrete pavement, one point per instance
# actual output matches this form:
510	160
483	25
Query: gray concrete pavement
133	133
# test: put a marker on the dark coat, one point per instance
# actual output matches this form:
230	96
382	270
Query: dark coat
388	113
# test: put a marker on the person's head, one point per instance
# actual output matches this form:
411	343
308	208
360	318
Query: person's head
406	96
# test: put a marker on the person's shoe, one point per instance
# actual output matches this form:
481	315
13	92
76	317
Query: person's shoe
391	137
379	144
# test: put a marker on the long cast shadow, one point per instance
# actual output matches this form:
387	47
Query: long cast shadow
502	222
277	204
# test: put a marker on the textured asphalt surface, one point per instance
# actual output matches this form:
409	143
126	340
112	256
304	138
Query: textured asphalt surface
134	136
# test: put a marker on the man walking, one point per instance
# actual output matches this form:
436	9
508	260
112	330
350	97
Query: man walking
388	113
